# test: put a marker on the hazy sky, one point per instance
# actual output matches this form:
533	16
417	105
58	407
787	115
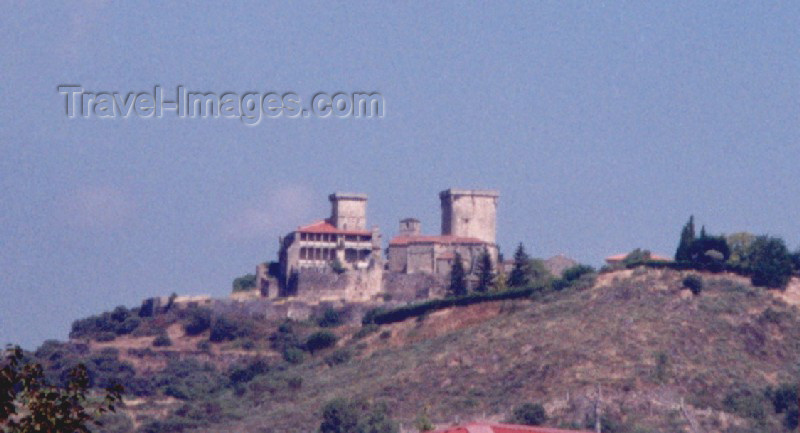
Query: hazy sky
603	125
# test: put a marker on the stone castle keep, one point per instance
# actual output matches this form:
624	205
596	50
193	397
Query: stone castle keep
339	258
468	228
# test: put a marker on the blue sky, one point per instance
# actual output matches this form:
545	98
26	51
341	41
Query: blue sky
603	125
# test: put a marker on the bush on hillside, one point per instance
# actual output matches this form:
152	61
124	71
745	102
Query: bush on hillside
574	273
339	356
244	283
320	340
419	309
198	321
770	262
693	283
162	340
224	329
745	403
528	414
330	318
345	416
243	373
121	321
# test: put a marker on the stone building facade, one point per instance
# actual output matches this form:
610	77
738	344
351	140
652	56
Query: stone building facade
340	244
468	228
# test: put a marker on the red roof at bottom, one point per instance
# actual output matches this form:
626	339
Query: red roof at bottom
486	427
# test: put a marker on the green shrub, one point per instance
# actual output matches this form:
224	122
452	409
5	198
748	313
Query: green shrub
661	371
770	262
204	345
189	380
745	403
337	266
120	321
244	283
339	416
344	416
293	355
782	398
418	309
320	340
162	341
295	382
371	314
240	374
224	329
693	283
574	273
286	341
366	330
340	356
106	336
559	284
528	414
330	319
198	321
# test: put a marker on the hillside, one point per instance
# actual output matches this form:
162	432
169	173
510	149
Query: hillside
658	354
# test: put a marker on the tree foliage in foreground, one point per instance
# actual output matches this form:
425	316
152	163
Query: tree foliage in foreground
30	404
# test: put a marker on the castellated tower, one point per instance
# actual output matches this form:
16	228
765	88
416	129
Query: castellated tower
348	211
470	213
409	227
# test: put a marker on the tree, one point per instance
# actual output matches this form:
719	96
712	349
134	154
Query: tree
795	256
709	252
320	340
337	266
30	404
636	257
485	272
500	280
770	262
244	283
339	416
687	237
458	278
529	414
739	244
345	416
521	273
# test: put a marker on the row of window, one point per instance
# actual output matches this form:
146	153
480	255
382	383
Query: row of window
331	237
350	255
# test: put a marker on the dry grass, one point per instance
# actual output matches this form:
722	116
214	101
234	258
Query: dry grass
480	361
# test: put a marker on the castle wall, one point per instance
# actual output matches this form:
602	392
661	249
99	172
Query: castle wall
420	258
314	286
398	258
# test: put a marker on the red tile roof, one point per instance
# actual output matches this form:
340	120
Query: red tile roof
485	427
326	227
444	239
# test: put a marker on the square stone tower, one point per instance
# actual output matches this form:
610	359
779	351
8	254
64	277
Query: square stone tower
348	211
470	213
409	227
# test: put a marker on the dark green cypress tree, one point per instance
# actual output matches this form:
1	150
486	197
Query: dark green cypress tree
683	254
521	273
458	278
485	272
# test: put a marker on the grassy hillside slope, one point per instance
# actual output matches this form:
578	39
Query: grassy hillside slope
646	341
659	356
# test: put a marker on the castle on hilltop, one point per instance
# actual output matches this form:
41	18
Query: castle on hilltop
469	228
339	258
